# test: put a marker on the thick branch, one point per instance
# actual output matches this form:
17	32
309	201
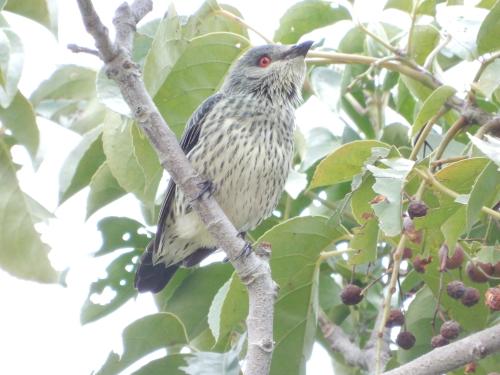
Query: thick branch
253	270
457	354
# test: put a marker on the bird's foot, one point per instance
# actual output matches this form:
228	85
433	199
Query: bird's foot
207	188
247	249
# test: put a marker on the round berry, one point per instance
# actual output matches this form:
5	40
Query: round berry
456	259
471	297
407	253
479	272
438	341
417	209
450	330
351	294
405	340
455	289
492	298
396	318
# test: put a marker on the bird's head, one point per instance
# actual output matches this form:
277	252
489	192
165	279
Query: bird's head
273	72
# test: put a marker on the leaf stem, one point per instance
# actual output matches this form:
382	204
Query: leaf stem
242	22
425	132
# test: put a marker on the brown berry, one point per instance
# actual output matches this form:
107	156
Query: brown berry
407	253
470	368
456	259
471	297
419	264
351	294
455	289
479	272
411	232
396	318
496	269
450	330
417	209
438	341
405	340
492	298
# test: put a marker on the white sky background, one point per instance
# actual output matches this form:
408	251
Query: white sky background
40	332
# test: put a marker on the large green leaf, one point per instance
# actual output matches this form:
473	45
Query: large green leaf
120	232
192	299
130	158
22	253
171	365
112	291
484	190
425	39
490	28
431	106
198	73
365	240
11	65
306	16
296	245
41	11
104	189
19	118
144	336
344	163
389	183
213	363
490	147
489	79
81	164
229	309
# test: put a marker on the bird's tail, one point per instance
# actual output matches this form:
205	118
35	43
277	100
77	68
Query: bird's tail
151	277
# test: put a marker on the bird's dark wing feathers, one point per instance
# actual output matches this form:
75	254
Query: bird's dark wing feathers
188	141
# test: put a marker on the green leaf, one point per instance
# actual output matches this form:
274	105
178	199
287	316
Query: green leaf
453	227
192	299
229	309
122	156
112	291
104	189
425	39
483	193
344	163
489	79
121	232
296	245
326	85
365	240
418	321
319	142
144	336
486	40
198	73
427	7
431	106
109	94
22	253
417	89
213	363
171	365
307	16
19	118
11	65
490	147
361	198
81	164
389	182
42	11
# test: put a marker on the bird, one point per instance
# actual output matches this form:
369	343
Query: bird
240	141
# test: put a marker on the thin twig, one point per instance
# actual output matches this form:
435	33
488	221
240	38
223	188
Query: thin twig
242	22
435	52
77	49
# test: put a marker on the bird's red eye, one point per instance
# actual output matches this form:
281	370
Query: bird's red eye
264	61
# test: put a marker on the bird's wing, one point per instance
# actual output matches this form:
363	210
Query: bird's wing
188	141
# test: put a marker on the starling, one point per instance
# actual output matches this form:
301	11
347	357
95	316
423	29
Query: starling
240	140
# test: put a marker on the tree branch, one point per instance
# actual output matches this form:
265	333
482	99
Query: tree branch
457	354
254	271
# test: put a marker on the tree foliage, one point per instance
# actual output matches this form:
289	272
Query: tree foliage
406	137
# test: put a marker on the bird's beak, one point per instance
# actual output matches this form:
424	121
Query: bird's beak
298	50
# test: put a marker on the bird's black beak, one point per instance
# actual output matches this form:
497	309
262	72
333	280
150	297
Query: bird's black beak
298	50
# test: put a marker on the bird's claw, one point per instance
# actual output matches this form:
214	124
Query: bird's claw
206	187
245	251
